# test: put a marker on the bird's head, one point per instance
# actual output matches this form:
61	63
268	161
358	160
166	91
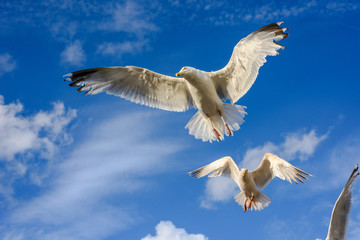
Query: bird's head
185	71
243	171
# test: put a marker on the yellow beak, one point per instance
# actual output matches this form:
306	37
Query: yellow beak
179	74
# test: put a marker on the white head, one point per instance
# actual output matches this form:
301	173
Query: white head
185	71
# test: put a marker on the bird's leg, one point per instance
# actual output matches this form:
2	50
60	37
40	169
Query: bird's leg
245	203
248	203
228	131
251	200
216	133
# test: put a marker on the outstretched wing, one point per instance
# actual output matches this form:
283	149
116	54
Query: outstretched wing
272	166
341	211
136	84
236	78
222	167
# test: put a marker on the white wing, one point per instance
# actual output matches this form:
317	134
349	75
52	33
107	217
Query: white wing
341	211
222	167
136	84
272	166
236	78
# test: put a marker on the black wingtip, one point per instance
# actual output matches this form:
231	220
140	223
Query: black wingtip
194	174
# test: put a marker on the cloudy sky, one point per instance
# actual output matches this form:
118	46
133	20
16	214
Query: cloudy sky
100	167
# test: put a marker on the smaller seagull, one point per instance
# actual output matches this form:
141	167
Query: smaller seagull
340	213
250	197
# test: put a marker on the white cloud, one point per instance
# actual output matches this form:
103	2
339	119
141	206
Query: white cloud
166	230
111	161
218	190
7	63
40	132
73	54
299	145
27	143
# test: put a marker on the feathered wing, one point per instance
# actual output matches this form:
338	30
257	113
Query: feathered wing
236	78
341	211
222	167
136	84
272	166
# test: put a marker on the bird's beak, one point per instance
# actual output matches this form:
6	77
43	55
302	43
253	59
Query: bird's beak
179	74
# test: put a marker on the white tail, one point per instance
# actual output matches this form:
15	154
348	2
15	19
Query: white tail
200	127
261	201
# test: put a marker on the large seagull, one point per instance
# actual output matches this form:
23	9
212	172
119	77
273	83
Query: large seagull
195	88
250	182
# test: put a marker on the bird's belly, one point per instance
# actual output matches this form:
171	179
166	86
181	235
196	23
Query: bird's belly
207	101
248	186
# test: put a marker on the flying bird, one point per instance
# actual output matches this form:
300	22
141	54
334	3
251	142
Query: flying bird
249	182
192	87
340	213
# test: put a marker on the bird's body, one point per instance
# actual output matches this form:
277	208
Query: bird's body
250	182
203	93
247	184
202	90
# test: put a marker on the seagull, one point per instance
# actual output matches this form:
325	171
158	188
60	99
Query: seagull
192	87
249	182
340	213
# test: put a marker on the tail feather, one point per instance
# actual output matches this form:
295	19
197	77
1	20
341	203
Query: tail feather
261	201
234	116
201	129
198	127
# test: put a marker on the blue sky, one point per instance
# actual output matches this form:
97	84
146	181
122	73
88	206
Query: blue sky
100	167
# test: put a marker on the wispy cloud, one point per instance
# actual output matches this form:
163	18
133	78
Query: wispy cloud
129	17
120	48
279	229
112	160
25	138
73	54
134	22
345	154
296	145
7	63
272	11
166	230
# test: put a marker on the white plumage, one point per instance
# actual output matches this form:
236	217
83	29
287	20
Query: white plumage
202	90
250	197
340	213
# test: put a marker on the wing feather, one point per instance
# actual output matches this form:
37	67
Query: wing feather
340	214
135	84
272	166
222	167
236	78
